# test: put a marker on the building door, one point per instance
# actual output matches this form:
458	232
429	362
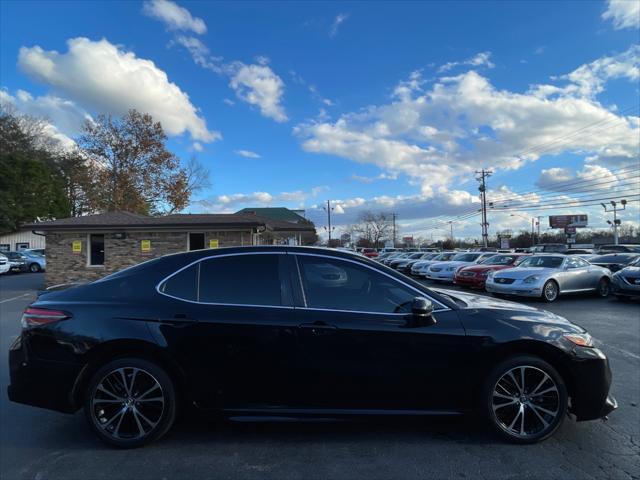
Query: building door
196	241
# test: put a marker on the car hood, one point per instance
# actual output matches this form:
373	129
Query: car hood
506	309
520	273
633	272
424	263
486	268
450	263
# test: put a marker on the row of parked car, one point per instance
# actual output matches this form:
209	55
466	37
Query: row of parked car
32	260
541	275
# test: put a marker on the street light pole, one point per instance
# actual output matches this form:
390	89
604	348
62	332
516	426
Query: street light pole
616	222
328	208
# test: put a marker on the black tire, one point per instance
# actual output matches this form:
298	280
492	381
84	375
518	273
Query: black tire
550	291
131	415
543	413
604	287
34	268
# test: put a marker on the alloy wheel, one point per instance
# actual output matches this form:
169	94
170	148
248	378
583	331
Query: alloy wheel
550	291
525	402
603	288
127	403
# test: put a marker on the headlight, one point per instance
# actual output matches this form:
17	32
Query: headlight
531	279
579	339
450	269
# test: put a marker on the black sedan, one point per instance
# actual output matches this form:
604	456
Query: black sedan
297	332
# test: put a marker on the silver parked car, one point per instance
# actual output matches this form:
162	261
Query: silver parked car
548	276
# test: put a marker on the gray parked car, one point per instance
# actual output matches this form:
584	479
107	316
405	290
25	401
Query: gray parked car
625	283
548	276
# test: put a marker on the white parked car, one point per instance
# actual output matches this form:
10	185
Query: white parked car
445	271
5	266
419	269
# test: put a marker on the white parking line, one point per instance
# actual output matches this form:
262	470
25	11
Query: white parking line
15	298
624	352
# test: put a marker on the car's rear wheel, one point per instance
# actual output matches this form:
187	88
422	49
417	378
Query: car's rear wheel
525	399
550	291
130	402
34	268
604	287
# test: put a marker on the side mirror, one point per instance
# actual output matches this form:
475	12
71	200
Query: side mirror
421	313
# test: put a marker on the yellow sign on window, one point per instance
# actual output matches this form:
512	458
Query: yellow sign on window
145	245
76	246
213	243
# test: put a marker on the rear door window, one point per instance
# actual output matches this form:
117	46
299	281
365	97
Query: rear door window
242	280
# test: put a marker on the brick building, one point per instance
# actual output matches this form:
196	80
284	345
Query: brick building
86	248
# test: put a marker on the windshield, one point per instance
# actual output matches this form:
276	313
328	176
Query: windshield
543	262
500	260
466	257
415	255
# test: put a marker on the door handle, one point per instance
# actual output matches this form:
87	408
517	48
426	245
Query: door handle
318	328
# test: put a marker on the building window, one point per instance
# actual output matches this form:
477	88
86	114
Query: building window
22	246
96	249
196	241
4	247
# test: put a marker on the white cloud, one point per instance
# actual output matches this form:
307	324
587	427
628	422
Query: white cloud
174	16
197	147
63	119
590	178
439	135
589	80
337	22
258	85
232	202
623	13
247	154
101	77
482	59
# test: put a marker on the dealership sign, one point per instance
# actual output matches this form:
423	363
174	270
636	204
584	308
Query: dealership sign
563	221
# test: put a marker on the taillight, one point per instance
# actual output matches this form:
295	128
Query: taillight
34	317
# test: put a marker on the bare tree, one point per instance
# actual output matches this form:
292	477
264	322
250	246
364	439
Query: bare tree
373	227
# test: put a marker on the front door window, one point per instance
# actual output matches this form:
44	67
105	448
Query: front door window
334	284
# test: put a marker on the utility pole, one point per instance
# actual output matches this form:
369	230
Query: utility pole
450	222
616	222
393	215
328	208
482	176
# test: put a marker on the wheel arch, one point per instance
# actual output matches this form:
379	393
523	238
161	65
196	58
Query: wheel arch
114	349
550	354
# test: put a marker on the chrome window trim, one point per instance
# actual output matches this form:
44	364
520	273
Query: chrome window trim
443	308
197	301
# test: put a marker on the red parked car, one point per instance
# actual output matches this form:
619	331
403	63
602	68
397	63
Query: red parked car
475	276
370	252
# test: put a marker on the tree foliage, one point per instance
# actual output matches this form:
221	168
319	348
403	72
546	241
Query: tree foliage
133	168
31	184
118	164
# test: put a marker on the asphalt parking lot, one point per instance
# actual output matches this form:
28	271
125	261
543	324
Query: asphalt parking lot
38	444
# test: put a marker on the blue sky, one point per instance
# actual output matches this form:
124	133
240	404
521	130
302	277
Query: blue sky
380	106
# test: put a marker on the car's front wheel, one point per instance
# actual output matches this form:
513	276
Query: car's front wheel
525	399
130	402
604	287
550	291
34	268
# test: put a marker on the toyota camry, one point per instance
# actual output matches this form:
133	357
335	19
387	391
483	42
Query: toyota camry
297	332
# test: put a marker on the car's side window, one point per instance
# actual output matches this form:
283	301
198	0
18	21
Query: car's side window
242	280
183	285
334	284
582	262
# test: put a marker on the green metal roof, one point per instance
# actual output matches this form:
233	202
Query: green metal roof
275	213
